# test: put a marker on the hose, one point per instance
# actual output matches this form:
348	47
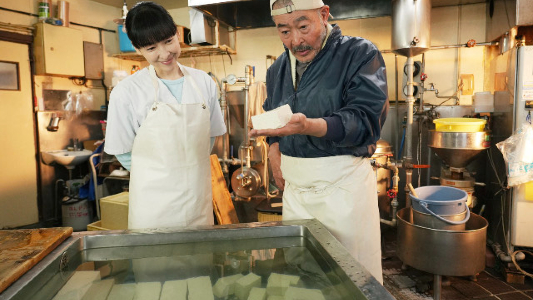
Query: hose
513	258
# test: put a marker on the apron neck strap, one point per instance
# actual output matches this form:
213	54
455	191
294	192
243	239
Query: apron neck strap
155	83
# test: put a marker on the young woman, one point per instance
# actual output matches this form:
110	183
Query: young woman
159	126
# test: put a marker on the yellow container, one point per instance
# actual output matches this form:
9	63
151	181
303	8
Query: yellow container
459	124
114	211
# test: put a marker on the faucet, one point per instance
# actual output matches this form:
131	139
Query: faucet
433	89
76	144
54	122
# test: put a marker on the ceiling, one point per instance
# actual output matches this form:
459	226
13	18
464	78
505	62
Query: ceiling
439	3
171	4
252	13
168	4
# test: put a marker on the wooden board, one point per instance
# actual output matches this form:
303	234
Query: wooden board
21	249
222	204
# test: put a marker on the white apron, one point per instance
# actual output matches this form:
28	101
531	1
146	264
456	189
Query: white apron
170	182
340	192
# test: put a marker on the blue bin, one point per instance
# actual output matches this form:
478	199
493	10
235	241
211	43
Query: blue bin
125	43
442	200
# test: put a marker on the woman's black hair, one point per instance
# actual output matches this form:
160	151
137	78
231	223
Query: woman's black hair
148	23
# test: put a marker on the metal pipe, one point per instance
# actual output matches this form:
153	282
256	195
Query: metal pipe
421	87
397	135
437	282
247	83
56	200
466	45
409	130
232	161
223	107
497	248
395	182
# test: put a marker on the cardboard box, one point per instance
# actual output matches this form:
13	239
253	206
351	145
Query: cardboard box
96	226
114	211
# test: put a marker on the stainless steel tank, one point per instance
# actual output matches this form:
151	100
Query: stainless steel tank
411	26
302	247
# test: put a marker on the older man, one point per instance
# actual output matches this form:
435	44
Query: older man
336	86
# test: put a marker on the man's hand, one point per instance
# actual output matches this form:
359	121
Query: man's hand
298	124
274	155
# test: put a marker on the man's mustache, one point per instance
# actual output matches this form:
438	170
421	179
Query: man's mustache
302	48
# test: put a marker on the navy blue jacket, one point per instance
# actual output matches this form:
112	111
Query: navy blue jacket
346	80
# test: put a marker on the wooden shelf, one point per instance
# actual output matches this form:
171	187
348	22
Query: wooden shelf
185	52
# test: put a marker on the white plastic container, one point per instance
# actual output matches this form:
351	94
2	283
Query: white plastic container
75	213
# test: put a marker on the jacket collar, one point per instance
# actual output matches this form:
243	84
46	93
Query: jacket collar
332	33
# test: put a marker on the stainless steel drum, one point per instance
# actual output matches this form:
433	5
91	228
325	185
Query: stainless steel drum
442	252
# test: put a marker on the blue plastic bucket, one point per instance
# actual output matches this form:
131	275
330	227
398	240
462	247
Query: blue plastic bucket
440	201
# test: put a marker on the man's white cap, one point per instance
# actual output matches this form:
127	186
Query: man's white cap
296	5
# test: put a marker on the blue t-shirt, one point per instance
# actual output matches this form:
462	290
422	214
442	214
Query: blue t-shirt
175	87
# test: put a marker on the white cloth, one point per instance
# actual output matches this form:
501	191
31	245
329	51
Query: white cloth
131	99
340	192
258	94
170	181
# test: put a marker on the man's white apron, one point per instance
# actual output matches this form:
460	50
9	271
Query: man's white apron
340	192
170	182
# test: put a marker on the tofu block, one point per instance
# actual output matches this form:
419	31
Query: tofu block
245	284
174	290
122	292
225	286
273	119
257	294
76	287
147	291
200	288
296	293
279	283
99	290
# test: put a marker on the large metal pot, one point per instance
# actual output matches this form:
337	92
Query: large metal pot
442	252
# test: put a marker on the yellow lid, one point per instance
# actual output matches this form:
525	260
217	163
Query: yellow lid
459	124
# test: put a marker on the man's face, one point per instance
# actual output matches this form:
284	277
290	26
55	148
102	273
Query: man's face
303	31
163	55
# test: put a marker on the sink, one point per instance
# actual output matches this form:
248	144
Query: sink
66	158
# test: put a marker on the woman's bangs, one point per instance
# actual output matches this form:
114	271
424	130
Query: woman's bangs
148	34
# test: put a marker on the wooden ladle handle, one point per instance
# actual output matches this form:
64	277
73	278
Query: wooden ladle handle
412	189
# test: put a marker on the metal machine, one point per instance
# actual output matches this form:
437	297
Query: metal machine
236	148
457	150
